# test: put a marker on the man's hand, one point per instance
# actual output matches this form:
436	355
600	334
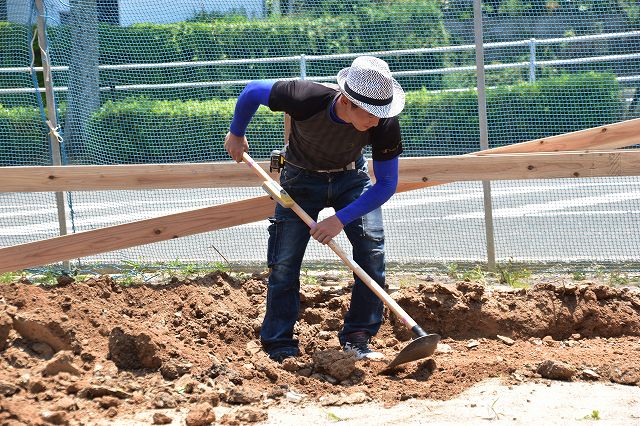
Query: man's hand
236	146
326	230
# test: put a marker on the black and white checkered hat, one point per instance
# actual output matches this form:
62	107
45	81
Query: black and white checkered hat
368	83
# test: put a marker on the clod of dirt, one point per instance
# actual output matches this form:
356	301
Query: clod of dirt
201	415
352	399
6	324
171	370
243	416
62	361
161	419
555	370
53	333
335	363
133	351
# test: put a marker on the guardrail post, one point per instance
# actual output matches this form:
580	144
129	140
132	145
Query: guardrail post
303	67
532	60
484	133
51	112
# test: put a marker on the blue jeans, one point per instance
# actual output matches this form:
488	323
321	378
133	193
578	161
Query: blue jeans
288	238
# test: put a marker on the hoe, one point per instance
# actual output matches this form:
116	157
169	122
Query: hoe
424	344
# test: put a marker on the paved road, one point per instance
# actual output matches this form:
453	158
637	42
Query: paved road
545	220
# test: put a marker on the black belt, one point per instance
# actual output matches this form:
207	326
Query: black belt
350	166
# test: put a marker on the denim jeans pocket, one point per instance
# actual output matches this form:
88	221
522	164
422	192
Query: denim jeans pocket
372	227
290	175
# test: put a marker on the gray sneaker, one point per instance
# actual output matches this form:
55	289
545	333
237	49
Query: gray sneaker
358	344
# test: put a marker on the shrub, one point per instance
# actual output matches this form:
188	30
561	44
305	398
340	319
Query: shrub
143	130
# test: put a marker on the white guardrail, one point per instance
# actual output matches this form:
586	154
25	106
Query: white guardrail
302	59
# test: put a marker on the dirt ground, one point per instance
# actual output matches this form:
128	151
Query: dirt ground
186	351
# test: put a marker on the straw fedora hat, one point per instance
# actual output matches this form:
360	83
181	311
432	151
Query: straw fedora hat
368	83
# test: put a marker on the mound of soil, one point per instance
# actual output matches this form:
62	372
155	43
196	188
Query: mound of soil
95	350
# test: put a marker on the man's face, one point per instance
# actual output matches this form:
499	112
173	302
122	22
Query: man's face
361	119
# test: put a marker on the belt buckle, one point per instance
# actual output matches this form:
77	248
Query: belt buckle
350	166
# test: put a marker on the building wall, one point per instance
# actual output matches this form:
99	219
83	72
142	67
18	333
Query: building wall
137	11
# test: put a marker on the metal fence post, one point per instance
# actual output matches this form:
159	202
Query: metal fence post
532	60
303	67
51	113
484	133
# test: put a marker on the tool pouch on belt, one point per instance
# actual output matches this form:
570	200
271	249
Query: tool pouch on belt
276	162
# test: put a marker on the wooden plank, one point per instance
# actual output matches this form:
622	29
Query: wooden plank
610	136
132	234
545	165
130	176
228	174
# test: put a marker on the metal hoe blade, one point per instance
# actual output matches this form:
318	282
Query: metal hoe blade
419	348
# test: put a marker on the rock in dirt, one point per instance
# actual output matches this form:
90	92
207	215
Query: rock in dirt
91	391
506	340
62	361
556	370
161	419
172	370
50	332
240	395
131	351
55	417
201	415
628	376
590	375
243	416
164	400
8	389
351	399
6	324
335	363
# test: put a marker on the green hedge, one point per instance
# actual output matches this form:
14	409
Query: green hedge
23	138
147	131
447	123
142	131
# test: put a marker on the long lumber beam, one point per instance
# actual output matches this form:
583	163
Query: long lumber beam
542	165
130	176
131	234
229	174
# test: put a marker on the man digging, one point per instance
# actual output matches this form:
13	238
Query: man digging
324	167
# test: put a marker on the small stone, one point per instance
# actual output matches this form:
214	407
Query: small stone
576	336
54	417
243	416
472	344
443	348
290	364
161	419
294	396
8	389
556	370
590	375
507	340
61	362
201	415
